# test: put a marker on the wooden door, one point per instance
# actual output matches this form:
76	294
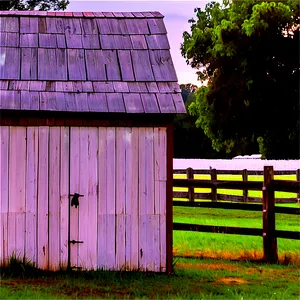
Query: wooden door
83	181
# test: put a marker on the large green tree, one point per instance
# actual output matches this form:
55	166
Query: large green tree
248	54
34	4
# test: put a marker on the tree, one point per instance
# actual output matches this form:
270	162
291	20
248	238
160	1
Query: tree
190	141
248	52
34	4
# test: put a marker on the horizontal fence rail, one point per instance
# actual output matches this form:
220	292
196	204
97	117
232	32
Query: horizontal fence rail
267	206
245	185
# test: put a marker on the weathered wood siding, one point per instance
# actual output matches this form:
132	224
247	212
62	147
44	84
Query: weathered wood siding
121	219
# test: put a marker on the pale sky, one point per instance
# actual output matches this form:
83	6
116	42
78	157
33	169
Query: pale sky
177	14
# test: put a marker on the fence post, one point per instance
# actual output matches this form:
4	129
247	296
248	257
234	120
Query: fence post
245	178
190	175
298	179
213	176
269	238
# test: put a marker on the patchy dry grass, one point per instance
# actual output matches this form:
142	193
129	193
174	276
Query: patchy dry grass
192	279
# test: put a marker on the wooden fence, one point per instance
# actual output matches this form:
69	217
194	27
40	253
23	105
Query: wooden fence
214	196
268	187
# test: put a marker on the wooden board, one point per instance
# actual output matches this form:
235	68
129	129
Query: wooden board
131	196
52	64
29	64
102	196
54	198
133	103
10	63
90	41
74	41
142	157
93	181
165	103
150	103
115	102
47	40
64	194
43	200
97	102
95	65
31	194
28	25
156	26
138	42
141	62
111	64
111	198
126	65
76	65
83	218
9	39
4	190
162	65
74	188
120	197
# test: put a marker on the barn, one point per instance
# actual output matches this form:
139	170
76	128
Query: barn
87	105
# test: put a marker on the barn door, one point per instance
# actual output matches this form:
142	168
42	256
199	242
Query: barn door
83	197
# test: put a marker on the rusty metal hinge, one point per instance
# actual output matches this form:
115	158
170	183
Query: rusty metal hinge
75	199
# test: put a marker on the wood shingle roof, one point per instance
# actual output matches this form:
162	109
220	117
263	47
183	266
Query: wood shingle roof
97	62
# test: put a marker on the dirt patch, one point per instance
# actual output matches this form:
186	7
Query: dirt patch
214	266
232	280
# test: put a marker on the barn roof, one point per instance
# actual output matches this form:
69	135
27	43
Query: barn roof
90	62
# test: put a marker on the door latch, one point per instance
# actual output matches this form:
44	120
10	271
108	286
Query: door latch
75	242
75	199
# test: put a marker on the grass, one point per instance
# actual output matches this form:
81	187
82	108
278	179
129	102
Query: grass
192	279
225	246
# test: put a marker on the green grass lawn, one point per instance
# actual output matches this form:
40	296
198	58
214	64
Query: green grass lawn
192	279
218	245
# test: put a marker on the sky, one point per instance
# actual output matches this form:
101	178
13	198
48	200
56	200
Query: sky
177	14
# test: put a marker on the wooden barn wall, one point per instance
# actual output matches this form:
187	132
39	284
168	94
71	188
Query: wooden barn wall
121	219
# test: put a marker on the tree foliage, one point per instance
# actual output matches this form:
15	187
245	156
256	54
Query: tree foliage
34	4
190	141
248	52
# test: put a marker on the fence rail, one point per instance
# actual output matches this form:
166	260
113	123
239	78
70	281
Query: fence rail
268	187
244	185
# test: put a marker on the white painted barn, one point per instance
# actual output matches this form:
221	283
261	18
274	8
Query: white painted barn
87	103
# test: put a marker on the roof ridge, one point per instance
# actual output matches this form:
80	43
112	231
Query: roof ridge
36	13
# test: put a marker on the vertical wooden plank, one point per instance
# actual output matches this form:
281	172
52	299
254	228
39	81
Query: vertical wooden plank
149	166
111	198
4	200
102	196
64	195
74	188
43	201
54	198
17	159
190	175
269	238
92	197
84	225
169	198
245	178
213	177
142	174
31	193
120	198
132	184
160	153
